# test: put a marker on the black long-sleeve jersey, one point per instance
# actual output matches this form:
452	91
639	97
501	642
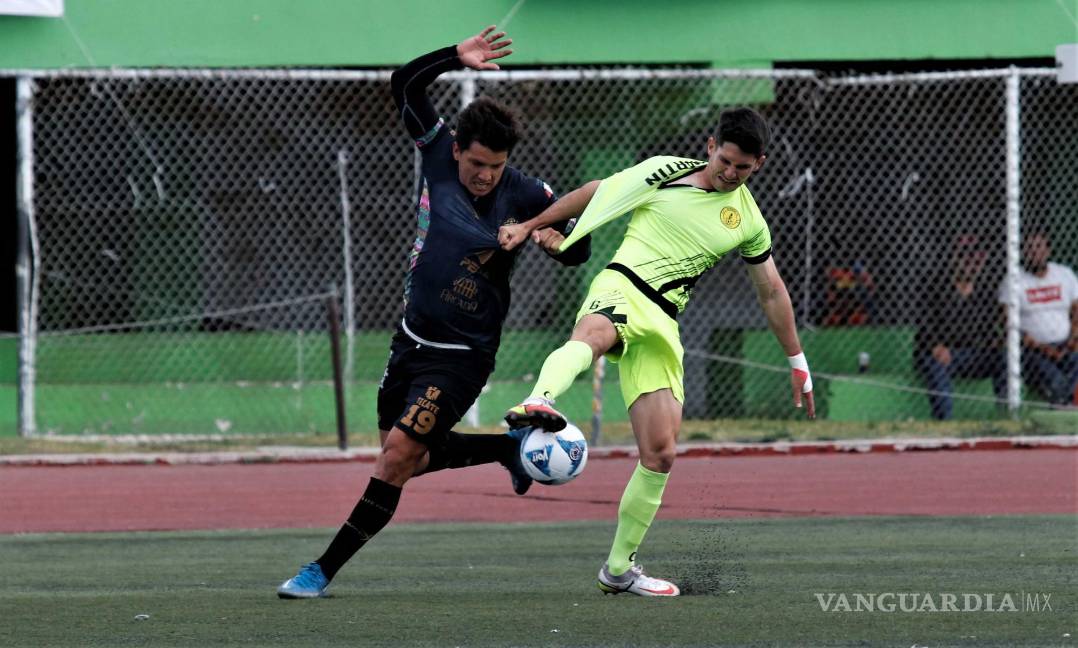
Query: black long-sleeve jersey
457	289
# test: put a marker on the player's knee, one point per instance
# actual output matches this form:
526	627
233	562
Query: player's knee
394	467
659	457
597	332
399	459
598	348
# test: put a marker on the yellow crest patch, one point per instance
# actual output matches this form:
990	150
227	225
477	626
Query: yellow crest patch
730	217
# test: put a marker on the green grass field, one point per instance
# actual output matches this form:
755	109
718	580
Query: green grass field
749	582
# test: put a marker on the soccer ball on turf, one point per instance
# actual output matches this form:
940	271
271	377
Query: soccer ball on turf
554	458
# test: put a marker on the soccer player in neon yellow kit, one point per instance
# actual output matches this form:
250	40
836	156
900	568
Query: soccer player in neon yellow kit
686	214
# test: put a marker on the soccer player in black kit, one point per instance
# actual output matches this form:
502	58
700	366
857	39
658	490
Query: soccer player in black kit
455	300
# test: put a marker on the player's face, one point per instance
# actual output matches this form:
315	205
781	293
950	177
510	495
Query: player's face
728	167
479	168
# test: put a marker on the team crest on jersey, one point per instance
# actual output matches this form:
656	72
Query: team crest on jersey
730	217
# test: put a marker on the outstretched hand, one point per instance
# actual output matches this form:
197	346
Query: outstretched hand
510	236
475	52
802	387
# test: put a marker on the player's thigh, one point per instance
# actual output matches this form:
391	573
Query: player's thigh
653	357
602	318
395	384
429	392
430	407
598	332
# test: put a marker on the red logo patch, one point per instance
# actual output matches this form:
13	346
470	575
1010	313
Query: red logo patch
1044	294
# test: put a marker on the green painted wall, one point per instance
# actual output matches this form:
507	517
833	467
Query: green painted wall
138	33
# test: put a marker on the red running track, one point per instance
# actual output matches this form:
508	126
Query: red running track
291	495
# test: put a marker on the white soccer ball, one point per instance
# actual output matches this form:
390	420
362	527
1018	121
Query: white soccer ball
554	458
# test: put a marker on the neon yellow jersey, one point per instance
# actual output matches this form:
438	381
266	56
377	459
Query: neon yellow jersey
677	232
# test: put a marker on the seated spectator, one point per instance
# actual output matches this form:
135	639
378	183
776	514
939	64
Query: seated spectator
960	336
1048	319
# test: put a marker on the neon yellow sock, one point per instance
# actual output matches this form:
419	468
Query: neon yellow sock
639	503
561	368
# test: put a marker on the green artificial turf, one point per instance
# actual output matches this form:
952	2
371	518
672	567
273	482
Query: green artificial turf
747	582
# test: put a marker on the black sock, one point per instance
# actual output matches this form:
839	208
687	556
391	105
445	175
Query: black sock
463	450
374	510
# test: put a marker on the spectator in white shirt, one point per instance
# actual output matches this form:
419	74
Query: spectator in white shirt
1048	319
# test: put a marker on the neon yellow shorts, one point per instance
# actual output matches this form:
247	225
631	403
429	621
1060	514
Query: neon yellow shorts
650	356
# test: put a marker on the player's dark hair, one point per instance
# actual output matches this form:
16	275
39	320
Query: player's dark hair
489	122
746	128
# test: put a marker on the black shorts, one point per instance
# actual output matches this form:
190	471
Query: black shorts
425	391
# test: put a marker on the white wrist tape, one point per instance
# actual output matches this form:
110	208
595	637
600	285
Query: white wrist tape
799	362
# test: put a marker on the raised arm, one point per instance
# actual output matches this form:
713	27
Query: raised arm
775	302
409	83
602	201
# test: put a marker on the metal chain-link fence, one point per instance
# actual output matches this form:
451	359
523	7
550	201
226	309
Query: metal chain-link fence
187	226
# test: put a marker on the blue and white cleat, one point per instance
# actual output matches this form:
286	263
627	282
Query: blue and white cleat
310	582
521	481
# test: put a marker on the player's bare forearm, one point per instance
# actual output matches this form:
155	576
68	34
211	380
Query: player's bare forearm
775	301
780	317
568	206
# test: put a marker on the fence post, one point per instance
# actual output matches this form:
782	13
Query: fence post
1014	216
467	89
27	264
346	252
333	310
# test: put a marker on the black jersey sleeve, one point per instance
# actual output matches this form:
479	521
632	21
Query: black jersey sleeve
409	87
577	253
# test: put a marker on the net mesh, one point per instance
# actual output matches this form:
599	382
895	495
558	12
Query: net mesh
191	228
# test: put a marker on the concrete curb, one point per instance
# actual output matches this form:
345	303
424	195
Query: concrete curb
368	455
